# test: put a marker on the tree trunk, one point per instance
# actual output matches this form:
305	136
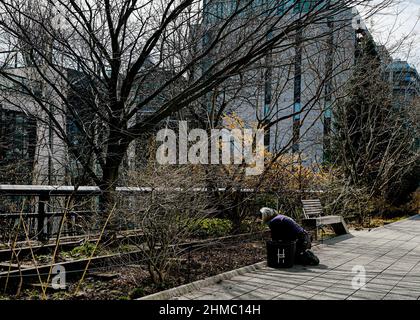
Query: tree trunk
110	173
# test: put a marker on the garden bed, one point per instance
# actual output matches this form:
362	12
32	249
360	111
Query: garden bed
133	281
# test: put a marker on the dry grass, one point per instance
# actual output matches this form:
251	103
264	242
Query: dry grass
376	222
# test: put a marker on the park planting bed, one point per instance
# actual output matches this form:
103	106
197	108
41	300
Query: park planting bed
126	280
124	275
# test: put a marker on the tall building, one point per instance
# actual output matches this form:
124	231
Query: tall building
17	146
32	152
294	87
405	81
291	91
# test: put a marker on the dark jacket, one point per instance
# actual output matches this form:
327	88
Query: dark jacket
285	228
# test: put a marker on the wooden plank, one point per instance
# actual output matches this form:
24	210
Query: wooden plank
313	210
313	215
74	268
13	266
337	223
22	252
326	220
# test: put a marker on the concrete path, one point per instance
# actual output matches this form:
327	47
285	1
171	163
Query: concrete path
390	257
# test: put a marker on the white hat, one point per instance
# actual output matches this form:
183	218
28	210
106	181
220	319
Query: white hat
267	213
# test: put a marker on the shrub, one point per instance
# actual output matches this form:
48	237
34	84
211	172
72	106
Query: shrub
213	227
250	225
84	250
135	293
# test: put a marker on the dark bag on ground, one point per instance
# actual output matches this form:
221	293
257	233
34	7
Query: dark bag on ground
281	254
307	258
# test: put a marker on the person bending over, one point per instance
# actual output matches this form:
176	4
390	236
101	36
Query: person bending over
284	228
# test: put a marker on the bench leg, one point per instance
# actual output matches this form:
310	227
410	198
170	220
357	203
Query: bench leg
312	229
340	228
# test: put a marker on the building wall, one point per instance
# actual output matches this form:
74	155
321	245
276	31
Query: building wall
294	81
50	157
405	82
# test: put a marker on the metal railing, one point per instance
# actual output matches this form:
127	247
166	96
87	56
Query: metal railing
34	203
44	215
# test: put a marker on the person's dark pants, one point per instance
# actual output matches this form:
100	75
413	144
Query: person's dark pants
303	242
303	255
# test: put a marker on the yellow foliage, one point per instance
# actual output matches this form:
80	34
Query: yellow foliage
284	172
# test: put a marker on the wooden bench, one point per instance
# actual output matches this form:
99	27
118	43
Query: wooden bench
312	211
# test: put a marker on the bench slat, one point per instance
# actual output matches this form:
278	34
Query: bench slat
313	210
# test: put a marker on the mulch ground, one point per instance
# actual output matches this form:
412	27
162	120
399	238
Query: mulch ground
133	281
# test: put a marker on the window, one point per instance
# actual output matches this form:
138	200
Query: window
215	11
297	92
267	139
296	135
304	6
17	145
283	6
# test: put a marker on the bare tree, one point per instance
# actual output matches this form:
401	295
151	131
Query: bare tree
105	53
167	215
374	138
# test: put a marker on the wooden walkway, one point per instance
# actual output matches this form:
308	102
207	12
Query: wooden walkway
389	258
